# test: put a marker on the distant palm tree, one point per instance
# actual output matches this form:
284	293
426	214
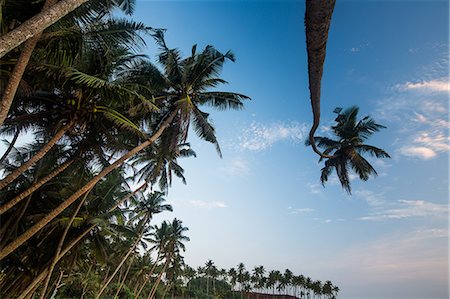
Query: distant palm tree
209	266
347	150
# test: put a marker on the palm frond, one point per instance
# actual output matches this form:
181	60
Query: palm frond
120	120
222	100
204	129
372	150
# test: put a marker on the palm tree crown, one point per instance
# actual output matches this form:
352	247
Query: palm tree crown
347	150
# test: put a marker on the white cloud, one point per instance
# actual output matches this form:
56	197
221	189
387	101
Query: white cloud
208	204
419	152
409	208
372	198
432	85
260	136
300	210
237	166
421	111
315	188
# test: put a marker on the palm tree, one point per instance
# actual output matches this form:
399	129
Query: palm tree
30	32
172	246
160	162
145	210
232	273
187	81
287	279
347	150
88	94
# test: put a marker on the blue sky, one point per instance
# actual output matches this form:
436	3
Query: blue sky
263	202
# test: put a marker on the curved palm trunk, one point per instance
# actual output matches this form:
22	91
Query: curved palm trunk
317	22
34	187
10	146
130	251
39	155
54	213
148	277
60	245
19	69
37	24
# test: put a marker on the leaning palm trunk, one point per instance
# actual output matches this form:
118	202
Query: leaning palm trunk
127	197
10	146
317	22
37	24
54	213
44	272
155	286
148	276
19	69
60	245
39	155
124	278
130	251
34	187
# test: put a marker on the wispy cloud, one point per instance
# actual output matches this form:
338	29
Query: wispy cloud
418	151
237	166
315	188
409	208
358	48
300	210
382	208
259	136
421	111
439	85
208	204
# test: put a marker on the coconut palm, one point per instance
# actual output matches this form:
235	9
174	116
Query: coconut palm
32	29
143	214
348	149
173	245
187	81
86	96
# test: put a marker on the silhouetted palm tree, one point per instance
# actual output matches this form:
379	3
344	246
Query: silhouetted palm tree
348	148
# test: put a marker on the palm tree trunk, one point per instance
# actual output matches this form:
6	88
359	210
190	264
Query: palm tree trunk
11	230
60	245
127	197
147	277
44	272
130	251
155	286
34	187
39	155
19	69
317	22
37	24
124	278
10	147
166	289
54	213
83	291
